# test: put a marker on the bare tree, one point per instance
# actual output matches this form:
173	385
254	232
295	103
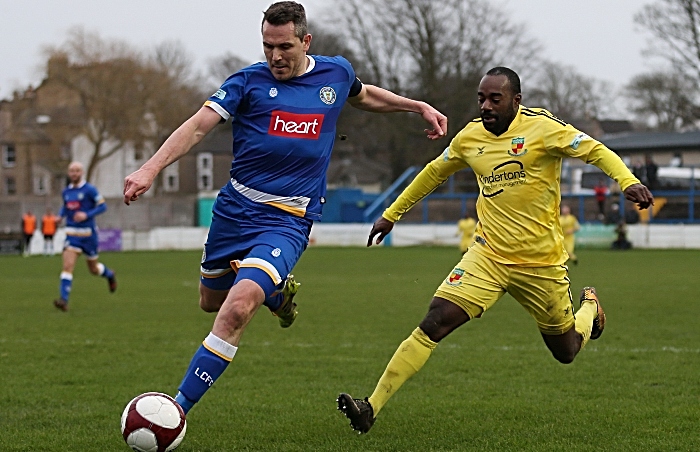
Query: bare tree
124	97
435	51
666	99
569	94
675	25
222	67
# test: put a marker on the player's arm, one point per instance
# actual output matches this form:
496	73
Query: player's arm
178	144
379	100
569	142
613	166
100	207
432	176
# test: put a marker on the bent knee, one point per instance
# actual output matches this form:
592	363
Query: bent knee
211	300
565	357
208	305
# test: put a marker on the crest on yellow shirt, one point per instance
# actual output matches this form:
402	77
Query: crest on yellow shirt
517	147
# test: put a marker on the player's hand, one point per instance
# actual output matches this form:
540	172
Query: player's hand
382	227
136	184
639	194
437	120
80	216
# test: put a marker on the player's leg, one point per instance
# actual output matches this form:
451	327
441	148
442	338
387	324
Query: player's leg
588	325
210	300
220	346
472	288
442	318
97	268
27	245
70	256
545	292
249	266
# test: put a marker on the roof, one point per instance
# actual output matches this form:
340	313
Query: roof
653	141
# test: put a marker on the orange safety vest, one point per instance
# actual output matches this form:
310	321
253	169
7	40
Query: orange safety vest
48	224
28	224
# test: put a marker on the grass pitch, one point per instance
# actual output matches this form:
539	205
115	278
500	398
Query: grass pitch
490	386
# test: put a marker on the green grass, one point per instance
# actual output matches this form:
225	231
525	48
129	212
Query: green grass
490	386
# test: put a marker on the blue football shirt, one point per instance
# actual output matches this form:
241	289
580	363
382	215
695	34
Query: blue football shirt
83	197
283	131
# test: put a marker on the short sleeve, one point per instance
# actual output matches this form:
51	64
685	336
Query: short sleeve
227	98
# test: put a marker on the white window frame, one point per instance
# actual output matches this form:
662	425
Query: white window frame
171	172
205	171
6	163
42	184
6	185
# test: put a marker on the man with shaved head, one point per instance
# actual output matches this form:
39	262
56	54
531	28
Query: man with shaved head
81	204
516	154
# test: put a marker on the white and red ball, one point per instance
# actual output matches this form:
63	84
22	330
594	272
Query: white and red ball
153	422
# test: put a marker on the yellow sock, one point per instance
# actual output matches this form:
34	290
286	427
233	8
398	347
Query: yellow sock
408	359
584	320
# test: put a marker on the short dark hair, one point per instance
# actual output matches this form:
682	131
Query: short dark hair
281	13
510	74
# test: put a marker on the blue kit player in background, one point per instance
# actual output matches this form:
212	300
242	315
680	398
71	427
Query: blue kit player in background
81	204
284	115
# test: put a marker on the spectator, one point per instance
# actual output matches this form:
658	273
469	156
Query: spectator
621	243
638	170
28	228
49	224
651	172
601	192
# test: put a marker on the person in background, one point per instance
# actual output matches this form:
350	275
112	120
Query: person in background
621	242
81	204
465	229
652	170
28	228
569	226
601	193
49	224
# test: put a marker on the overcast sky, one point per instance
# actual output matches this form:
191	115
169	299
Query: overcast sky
598	37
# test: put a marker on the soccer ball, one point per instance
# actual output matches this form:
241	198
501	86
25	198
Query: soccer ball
153	422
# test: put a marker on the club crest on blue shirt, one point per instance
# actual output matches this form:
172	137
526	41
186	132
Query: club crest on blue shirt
273	92
327	95
276	252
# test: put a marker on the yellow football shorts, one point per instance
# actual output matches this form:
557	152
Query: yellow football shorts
477	283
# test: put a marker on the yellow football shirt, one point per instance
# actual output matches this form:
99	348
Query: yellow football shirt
519	175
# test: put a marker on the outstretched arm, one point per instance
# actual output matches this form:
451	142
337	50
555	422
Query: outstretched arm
178	144
613	166
431	177
378	100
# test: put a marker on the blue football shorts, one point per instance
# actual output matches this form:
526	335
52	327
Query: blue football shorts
82	244
251	241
